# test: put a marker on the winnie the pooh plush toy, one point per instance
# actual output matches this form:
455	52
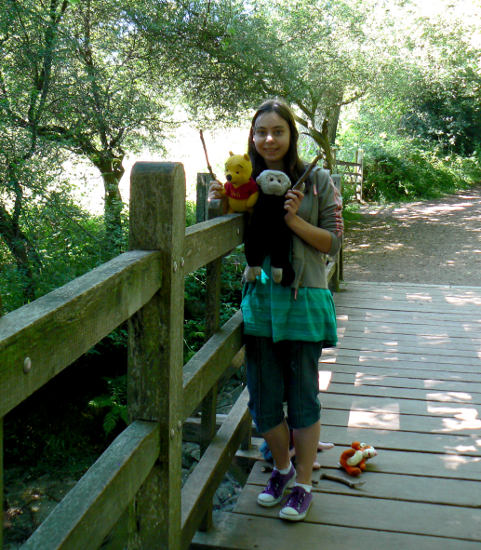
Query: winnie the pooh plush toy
267	233
240	188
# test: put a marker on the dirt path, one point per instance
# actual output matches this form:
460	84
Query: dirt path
436	242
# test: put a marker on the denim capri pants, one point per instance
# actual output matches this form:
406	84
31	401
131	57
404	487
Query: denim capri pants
285	371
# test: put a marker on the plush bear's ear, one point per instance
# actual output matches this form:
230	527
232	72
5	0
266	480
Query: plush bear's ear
231	154
246	156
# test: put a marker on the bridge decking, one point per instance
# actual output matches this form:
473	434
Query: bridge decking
406	378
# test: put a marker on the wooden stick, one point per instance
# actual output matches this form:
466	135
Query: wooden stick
299	183
212	175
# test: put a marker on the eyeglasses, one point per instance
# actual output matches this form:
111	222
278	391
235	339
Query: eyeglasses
260	133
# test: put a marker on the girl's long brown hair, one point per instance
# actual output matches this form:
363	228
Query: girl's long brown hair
293	165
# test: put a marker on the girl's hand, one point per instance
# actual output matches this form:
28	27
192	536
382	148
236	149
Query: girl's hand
292	203
216	190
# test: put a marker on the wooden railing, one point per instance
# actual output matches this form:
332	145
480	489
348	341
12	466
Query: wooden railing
134	491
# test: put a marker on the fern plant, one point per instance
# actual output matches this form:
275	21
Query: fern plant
113	404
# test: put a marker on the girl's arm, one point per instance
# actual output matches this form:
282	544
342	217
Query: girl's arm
319	238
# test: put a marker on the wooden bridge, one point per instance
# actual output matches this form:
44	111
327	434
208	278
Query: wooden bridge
405	378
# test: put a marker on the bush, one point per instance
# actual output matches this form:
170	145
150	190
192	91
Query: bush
409	173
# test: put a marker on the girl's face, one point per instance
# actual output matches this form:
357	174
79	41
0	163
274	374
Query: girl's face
272	138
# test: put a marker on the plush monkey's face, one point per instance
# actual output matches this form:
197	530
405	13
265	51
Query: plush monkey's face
273	182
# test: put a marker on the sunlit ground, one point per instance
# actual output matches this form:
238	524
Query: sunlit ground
437	241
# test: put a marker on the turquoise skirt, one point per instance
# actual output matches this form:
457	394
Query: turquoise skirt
274	311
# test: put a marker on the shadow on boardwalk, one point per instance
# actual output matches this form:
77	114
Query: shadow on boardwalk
436	241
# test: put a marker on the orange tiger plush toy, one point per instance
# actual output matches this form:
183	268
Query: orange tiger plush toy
353	460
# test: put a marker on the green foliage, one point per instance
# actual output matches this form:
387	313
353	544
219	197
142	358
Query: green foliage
408	172
447	118
398	167
113	404
190	213
67	240
195	296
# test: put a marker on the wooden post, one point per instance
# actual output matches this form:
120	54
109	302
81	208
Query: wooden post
212	322
360	171
157	222
202	189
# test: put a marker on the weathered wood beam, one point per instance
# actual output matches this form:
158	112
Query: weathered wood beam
209	363
209	240
201	485
155	358
89	511
40	339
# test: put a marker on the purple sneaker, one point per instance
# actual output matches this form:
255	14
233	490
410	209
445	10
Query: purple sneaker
297	505
276	487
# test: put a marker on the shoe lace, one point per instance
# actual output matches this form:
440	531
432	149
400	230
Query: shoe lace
296	498
274	481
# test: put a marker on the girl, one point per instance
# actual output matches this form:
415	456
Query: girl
286	327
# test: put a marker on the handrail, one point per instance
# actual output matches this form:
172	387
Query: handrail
89	511
40	339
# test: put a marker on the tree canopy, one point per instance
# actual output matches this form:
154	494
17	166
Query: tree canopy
99	78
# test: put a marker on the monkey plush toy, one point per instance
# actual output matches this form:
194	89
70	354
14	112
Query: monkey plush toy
267	233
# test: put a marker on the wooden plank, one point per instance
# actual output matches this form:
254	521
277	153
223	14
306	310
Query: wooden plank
384	286
208	364
386	360
402	371
388	461
206	241
247	532
389	486
416	518
404	406
89	511
155	355
365	354
396	421
452	331
462	445
405	306
434	395
200	486
40	339
439	302
359	379
402	345
412	341
384	314
347	163
449	295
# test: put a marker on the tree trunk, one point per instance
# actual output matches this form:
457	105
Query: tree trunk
333	118
22	250
322	140
112	171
